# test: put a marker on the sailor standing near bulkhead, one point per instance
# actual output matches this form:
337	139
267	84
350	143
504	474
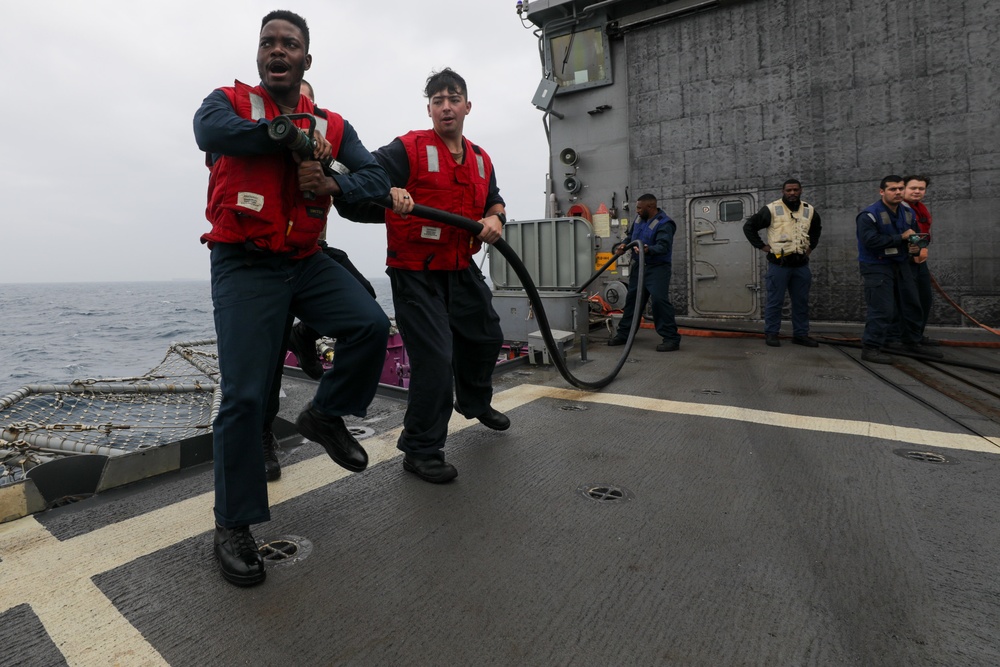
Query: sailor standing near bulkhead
883	231
793	229
654	230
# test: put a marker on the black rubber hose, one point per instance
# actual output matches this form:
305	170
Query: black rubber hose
598	273
475	228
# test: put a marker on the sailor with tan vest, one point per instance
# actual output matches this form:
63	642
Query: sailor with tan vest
793	229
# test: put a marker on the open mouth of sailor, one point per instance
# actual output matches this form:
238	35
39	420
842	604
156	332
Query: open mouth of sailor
278	70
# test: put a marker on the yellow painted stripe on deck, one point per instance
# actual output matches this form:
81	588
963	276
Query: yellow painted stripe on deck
55	577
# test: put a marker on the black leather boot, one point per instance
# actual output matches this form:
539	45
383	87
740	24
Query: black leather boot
272	468
303	346
433	468
239	560
332	434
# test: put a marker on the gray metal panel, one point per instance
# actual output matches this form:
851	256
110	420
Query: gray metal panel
545	94
558	253
517	317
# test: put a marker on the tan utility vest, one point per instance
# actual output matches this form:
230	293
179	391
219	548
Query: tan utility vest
789	231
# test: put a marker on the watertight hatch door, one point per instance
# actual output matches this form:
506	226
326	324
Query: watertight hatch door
723	264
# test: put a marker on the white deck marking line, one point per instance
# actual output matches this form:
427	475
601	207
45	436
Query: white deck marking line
55	577
900	434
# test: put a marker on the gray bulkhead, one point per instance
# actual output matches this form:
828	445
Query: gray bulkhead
711	104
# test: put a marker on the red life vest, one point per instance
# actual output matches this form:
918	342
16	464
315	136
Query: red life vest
257	198
436	180
923	216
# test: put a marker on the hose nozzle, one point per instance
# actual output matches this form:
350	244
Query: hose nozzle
285	133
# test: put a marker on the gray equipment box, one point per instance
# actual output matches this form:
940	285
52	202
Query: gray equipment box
558	253
565	311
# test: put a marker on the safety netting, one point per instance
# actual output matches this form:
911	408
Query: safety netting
175	400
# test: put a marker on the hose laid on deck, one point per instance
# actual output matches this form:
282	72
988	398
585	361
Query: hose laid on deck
475	228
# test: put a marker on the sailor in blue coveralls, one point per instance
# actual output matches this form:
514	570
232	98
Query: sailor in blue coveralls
654	230
883	230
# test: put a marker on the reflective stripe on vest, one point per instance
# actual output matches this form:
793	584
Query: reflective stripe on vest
433	165
256	107
257	112
886	220
652	226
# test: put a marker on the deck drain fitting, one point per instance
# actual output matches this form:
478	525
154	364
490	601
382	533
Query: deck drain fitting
709	392
574	408
605	493
285	550
834	377
361	432
923	457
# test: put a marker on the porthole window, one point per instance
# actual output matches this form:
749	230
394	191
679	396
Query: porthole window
731	211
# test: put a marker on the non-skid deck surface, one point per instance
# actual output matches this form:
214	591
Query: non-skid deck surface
766	518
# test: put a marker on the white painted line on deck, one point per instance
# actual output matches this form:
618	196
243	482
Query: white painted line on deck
899	434
55	578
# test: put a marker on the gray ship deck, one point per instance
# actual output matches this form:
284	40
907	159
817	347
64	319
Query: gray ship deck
768	519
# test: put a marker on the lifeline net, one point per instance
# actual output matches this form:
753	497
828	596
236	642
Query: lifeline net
176	400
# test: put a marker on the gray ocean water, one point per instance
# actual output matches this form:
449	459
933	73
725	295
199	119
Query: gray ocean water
59	332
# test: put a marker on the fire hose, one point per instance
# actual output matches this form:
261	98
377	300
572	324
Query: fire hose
475	228
283	131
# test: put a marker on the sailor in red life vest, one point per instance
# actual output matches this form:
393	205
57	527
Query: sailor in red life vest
915	188
301	340
266	267
443	305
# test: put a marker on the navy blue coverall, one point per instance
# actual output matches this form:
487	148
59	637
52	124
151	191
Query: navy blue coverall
254	293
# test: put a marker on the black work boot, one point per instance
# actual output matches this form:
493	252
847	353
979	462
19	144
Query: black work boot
432	468
873	355
272	468
239	560
493	419
303	346
923	350
332	434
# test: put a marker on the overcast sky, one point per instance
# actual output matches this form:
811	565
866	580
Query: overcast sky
100	177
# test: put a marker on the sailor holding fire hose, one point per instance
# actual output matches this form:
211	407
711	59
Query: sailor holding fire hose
267	207
443	305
